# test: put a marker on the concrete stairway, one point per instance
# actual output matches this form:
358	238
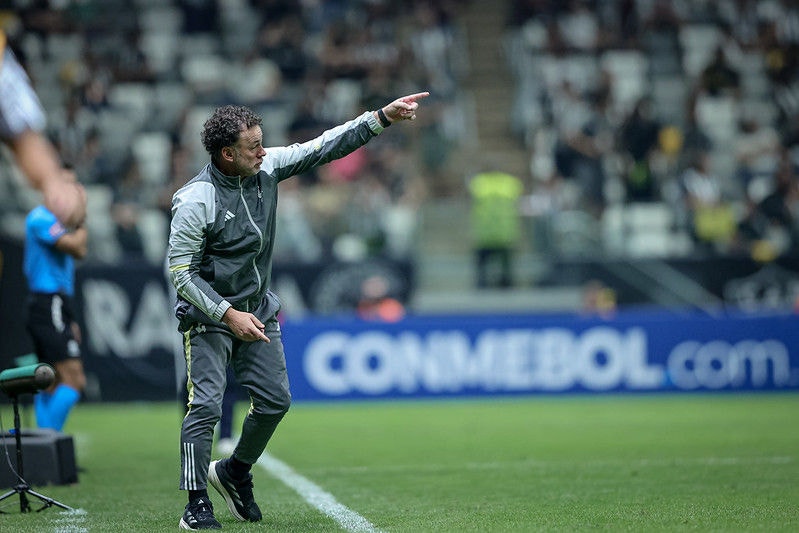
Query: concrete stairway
445	265
492	85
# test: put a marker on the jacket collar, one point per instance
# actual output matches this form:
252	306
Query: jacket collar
232	181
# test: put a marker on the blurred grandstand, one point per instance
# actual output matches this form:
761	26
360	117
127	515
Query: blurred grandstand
646	131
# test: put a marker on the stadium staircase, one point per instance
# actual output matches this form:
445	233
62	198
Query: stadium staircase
445	266
492	85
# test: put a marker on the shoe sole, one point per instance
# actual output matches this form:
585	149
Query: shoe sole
213	478
184	525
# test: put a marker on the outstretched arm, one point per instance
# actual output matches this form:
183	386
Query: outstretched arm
286	161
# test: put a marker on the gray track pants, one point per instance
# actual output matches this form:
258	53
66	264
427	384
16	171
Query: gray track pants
260	367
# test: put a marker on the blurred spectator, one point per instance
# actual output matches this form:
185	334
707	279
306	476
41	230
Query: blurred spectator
585	138
93	165
71	133
378	86
94	93
393	165
599	299
367	206
336	55
548	199
199	16
719	78
129	62
376	303
639	137
281	39
695	138
629	23
742	19
771	226
295	239
786	21
180	171
660	22
709	215
579	26
496	226
757	151
264	80
129	196
435	145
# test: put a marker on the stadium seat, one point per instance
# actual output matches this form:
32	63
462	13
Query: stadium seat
699	43
160	18
136	100
628	69
718	116
161	51
102	240
153	228
152	152
205	72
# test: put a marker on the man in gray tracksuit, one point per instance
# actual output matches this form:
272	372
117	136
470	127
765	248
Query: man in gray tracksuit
220	259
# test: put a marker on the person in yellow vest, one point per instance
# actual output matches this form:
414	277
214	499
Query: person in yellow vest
496	226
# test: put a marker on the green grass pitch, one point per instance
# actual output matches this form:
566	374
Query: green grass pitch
579	463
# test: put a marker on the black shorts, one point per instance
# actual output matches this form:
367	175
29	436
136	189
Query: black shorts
50	320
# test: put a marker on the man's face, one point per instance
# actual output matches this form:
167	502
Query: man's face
248	152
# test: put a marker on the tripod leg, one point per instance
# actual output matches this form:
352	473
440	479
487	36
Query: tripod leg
6	496
24	505
48	501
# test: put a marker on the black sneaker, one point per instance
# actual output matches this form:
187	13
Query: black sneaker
199	514
237	492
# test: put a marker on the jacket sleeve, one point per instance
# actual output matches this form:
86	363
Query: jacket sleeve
193	210
335	143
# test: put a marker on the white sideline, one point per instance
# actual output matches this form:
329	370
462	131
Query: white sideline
73	521
316	496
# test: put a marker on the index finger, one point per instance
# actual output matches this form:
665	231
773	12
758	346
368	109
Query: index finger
414	97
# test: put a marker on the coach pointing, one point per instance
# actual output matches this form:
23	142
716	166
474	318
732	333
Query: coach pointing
220	260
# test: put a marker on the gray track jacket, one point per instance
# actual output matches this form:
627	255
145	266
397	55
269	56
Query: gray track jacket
223	227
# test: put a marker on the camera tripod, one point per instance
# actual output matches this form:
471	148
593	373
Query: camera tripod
22	487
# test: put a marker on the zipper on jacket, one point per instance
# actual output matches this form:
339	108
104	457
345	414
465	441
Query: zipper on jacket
257	229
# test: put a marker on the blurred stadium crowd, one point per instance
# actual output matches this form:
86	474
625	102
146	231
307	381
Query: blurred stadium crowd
674	123
128	84
652	127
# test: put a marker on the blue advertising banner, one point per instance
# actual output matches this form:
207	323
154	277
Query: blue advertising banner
132	350
506	355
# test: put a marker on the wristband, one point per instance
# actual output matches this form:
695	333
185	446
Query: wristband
384	121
